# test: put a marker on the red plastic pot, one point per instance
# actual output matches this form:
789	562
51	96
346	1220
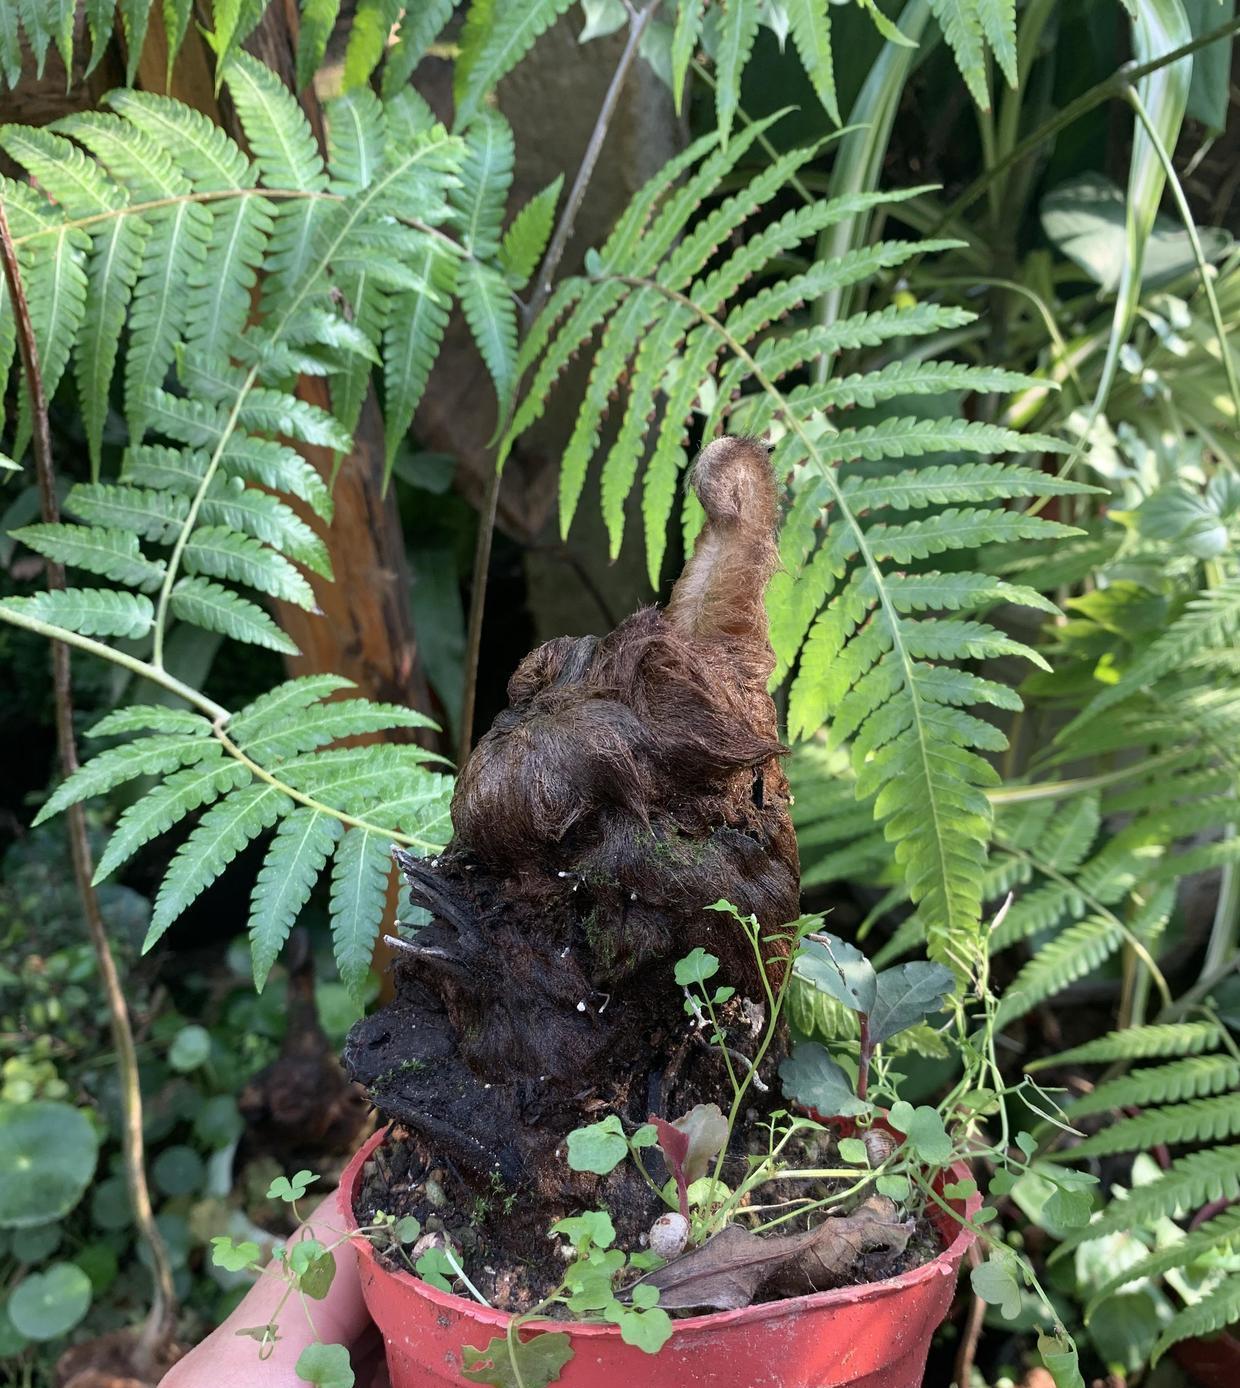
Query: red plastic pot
873	1336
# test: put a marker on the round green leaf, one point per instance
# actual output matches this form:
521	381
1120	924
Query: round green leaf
190	1048
34	1245
696	967
218	1122
109	1205
47	1157
811	1078
178	1171
599	1148
48	1304
325	1365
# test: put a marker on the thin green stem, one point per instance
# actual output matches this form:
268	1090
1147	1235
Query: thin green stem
1080	785
1190	228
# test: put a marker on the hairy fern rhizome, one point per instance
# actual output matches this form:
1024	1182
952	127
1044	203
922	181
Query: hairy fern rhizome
142	244
875	641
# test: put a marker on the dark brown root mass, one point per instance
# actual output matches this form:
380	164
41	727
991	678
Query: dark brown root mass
633	780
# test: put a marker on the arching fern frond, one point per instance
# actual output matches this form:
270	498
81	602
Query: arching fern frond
665	306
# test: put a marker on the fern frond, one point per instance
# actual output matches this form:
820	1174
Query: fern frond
324	723
415	329
287	156
216	608
149	718
1217	1309
360	871
1194	1077
1199	1120
1217	1235
1209	620
421	26
112	554
89	611
738	28
1073	953
1151	1042
810	23
301	846
497	35
526	239
166	805
221	553
485	176
150	756
1188	1184
273	709
492	317
222	833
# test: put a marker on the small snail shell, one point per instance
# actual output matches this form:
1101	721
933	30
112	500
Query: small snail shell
668	1236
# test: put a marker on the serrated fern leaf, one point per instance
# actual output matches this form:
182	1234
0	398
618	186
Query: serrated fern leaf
360	873
221	553
810	23
421	26
216	608
1199	1120
497	35
526	238
1151	1042
149	718
485	176
416	326
166	805
1217	1309
150	756
1188	1184
297	854
112	554
1216	1235
324	723
738	28
272	710
492	317
221	834
1194	1077
89	611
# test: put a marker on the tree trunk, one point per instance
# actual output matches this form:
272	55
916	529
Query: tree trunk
632	781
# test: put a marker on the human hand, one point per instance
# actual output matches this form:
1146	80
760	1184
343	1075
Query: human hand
228	1357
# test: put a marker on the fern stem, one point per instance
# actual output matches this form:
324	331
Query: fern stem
135	208
543	282
262	774
1080	785
160	1323
143	669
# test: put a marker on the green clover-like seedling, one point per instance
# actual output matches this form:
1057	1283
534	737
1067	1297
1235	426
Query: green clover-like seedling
853	1151
647	1330
407	1229
696	967
600	1148
594	1227
326	1366
995	1282
434	1267
233	1257
313	1266
292	1188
